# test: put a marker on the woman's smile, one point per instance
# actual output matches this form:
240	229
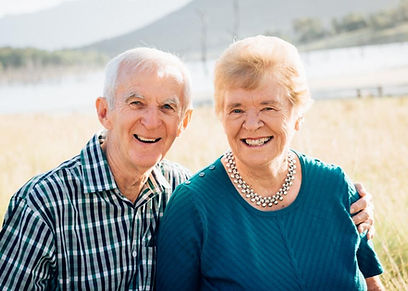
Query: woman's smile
255	142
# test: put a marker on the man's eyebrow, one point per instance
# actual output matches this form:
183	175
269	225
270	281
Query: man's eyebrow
172	100
133	95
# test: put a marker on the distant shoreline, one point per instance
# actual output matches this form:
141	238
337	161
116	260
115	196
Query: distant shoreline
379	70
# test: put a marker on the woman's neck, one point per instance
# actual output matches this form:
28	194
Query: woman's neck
266	188
266	178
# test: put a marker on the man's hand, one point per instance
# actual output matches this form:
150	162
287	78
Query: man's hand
374	284
364	207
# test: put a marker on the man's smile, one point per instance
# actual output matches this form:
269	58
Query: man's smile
146	140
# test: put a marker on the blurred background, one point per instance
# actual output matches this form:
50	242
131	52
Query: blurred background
56	49
52	55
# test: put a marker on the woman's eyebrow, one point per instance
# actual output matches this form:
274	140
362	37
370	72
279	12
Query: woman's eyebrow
270	102
233	105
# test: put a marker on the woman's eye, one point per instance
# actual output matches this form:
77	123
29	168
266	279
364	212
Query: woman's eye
269	109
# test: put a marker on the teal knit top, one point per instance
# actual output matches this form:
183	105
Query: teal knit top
210	238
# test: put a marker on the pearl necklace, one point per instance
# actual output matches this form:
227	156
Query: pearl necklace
247	190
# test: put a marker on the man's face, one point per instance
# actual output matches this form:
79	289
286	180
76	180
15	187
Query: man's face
146	117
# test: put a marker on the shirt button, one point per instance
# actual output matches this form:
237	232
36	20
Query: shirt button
134	254
212	167
202	174
188	182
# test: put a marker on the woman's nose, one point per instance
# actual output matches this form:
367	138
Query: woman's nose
252	121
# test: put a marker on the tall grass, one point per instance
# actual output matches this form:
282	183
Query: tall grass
367	137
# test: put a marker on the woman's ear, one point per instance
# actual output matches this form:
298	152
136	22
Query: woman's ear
299	123
185	121
102	109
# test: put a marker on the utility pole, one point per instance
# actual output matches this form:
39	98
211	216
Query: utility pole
235	28
203	21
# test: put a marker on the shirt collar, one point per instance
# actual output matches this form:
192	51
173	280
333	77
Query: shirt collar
158	181
97	174
156	184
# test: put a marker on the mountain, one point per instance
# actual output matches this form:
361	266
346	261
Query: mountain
80	22
214	22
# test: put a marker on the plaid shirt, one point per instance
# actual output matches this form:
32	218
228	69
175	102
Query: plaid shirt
72	229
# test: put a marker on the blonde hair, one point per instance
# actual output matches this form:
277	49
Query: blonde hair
245	63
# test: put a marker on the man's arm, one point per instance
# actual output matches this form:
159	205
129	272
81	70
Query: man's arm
363	211
27	260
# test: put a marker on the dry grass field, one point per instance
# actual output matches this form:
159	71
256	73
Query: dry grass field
367	137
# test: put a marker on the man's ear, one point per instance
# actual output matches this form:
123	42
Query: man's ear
102	109
185	121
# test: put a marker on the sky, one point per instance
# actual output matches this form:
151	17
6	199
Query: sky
52	20
8	7
26	6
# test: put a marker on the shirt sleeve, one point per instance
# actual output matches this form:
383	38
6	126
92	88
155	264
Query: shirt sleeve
367	258
179	243
27	260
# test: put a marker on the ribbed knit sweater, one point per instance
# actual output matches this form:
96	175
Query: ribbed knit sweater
210	238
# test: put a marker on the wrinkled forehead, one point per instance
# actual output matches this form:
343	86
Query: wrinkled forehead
164	83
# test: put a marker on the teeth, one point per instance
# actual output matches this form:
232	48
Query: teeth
257	142
146	140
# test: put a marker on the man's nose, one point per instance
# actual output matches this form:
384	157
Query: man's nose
252	121
151	118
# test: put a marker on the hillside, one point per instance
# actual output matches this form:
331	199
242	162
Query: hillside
360	37
182	30
80	22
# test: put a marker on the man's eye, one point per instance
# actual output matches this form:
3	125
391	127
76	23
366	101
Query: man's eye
237	110
136	102
167	107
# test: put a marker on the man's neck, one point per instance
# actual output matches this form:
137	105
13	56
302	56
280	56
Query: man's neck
130	187
129	179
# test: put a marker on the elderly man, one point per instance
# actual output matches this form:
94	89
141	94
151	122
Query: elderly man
91	223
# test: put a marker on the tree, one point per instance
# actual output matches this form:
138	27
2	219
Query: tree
354	21
308	29
383	19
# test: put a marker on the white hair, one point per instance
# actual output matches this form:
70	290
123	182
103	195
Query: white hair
144	59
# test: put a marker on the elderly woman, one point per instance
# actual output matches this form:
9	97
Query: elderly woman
263	216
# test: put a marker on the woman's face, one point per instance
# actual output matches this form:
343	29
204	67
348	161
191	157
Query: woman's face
259	123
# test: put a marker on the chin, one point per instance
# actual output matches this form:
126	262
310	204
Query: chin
146	161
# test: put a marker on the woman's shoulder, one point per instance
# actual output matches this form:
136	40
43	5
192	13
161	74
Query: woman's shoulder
206	181
315	166
329	177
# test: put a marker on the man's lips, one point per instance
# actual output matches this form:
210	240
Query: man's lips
257	141
146	140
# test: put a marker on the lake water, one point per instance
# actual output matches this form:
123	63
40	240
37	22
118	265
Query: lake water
334	73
